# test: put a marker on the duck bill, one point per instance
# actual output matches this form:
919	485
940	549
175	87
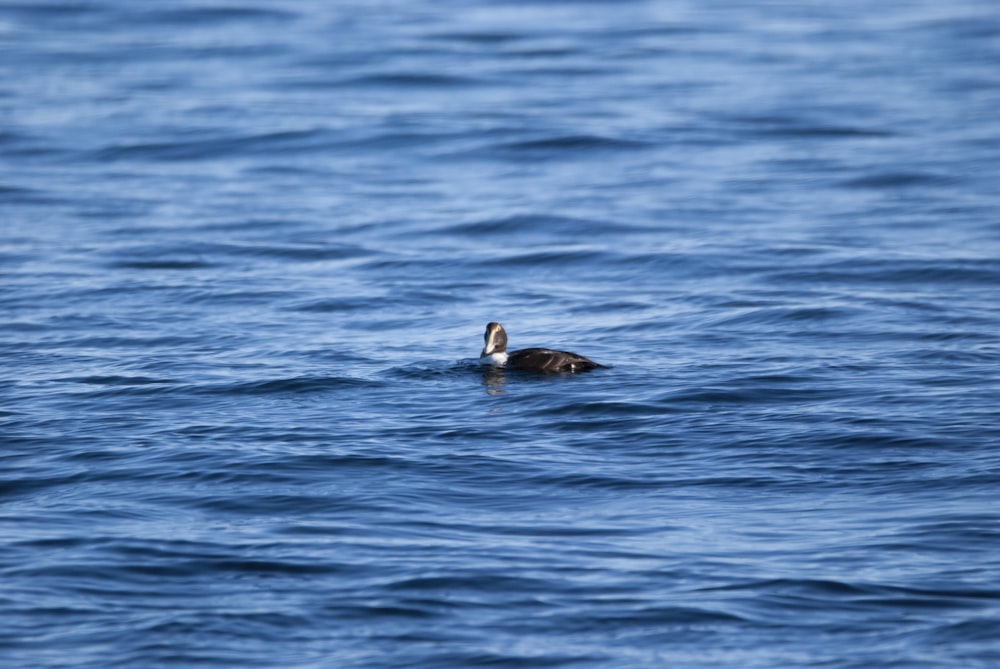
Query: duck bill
490	344
491	338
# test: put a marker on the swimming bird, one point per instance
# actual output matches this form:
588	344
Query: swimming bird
532	359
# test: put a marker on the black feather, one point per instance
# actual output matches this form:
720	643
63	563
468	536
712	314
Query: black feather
547	360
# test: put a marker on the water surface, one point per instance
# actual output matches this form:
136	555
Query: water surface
248	250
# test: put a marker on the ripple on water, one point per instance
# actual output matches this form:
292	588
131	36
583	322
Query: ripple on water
248	252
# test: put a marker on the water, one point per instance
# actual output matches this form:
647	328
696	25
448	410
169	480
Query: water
249	249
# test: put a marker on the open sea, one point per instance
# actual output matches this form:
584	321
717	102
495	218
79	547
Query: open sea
248	249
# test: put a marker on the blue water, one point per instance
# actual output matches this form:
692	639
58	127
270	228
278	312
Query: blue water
248	249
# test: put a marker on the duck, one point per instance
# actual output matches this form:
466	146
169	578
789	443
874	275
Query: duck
544	360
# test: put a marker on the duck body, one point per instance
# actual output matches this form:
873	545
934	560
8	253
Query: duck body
544	360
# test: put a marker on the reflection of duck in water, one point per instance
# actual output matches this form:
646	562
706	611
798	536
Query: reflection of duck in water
532	359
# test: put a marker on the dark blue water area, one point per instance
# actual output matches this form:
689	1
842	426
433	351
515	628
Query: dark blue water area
248	250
